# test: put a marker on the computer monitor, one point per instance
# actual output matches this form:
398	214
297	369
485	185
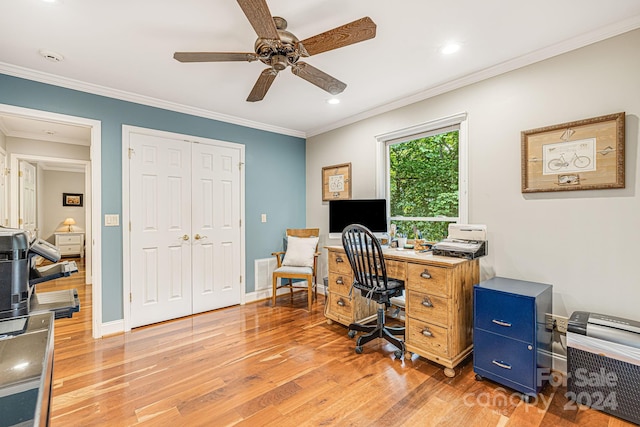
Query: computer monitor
372	213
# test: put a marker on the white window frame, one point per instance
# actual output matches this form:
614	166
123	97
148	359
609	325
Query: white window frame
432	127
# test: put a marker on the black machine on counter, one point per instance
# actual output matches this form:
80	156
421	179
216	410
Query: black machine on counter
19	276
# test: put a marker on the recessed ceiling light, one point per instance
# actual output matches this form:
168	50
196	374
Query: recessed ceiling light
51	56
450	48
333	101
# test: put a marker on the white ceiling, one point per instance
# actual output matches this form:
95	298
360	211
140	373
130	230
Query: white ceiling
124	49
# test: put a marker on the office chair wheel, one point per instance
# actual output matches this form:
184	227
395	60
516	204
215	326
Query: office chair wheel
351	334
398	354
359	349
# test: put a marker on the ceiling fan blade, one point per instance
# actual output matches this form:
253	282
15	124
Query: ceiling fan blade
319	78
214	56
259	16
262	85
353	32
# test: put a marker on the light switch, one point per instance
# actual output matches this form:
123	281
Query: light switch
111	220
263	217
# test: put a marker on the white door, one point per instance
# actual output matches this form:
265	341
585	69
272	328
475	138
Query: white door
160	192
215	197
27	197
4	206
185	228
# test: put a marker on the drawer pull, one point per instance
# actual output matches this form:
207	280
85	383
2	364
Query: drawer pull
501	364
427	333
339	281
340	302
339	259
427	302
425	274
501	323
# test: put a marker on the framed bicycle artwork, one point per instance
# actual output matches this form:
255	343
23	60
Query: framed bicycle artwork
583	155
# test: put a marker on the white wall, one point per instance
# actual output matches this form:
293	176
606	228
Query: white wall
56	183
46	148
585	243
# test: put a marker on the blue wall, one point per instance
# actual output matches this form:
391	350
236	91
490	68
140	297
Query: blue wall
274	170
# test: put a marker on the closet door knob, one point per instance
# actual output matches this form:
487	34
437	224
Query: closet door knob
185	237
199	237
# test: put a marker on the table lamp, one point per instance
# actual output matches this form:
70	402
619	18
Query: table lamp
69	222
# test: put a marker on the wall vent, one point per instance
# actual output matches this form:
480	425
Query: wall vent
263	272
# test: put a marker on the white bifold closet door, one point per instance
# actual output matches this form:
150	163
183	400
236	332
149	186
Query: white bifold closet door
185	228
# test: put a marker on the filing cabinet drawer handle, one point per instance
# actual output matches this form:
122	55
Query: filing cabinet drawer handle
339	259
340	302
427	302
425	274
501	323
427	333
501	364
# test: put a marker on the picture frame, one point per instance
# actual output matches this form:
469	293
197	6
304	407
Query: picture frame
72	199
336	182
582	155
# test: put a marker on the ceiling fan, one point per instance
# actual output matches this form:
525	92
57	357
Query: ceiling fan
279	49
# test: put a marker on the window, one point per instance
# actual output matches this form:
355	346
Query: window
425	178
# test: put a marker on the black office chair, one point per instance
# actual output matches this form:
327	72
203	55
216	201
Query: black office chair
370	277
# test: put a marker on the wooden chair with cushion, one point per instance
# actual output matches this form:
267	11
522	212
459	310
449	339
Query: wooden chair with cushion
298	261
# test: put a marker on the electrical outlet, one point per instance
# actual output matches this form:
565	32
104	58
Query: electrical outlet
561	323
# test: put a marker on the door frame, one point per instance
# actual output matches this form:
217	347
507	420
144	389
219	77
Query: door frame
127	130
15	159
93	180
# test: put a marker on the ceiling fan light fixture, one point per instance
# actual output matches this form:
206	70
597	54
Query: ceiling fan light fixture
450	48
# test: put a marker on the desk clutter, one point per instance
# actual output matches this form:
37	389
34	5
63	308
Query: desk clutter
464	241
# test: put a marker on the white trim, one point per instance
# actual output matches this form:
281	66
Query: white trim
38	76
127	130
94	199
113	327
459	120
574	43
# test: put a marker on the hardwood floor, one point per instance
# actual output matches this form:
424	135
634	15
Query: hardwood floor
255	365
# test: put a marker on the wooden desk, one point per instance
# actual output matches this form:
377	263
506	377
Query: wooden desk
439	301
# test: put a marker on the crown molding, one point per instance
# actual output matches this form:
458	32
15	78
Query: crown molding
29	74
574	43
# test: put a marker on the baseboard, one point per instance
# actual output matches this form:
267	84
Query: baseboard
111	328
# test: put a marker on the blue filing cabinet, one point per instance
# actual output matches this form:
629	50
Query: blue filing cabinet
511	343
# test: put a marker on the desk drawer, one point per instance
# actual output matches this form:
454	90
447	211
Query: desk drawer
340	283
339	263
396	269
430	308
340	308
427	336
428	279
73	239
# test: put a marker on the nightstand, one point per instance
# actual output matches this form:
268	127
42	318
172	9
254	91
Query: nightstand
511	342
70	243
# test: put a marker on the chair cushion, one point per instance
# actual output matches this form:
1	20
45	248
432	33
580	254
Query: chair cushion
287	269
300	251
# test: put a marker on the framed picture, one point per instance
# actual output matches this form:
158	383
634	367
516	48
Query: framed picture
583	155
336	182
71	199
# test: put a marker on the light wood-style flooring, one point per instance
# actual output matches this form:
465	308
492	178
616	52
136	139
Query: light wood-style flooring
255	365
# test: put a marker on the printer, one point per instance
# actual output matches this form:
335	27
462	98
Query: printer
464	241
603	363
19	276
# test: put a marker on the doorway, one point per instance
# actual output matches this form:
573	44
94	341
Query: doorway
93	199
